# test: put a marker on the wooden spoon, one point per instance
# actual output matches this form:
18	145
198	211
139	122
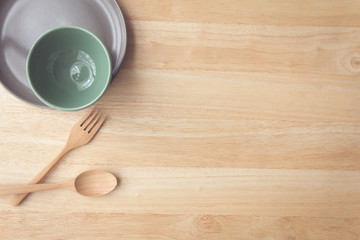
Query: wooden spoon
90	183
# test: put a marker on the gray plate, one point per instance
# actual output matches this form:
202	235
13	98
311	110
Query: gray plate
23	21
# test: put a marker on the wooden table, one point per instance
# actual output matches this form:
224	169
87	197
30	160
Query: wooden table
228	120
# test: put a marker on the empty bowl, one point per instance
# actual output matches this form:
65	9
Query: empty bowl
68	68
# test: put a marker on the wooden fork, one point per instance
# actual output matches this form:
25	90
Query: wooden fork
81	133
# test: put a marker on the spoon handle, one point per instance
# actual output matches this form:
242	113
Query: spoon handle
16	200
16	189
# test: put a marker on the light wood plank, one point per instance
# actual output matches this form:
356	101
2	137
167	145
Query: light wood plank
243	48
225	191
258	12
171	227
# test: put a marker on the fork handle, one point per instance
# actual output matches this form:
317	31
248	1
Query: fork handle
17	199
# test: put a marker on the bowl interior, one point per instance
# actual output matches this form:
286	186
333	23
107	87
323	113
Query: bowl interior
69	68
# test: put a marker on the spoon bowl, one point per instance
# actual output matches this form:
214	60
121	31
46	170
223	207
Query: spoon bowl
95	183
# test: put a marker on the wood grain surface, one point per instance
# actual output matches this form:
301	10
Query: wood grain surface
227	120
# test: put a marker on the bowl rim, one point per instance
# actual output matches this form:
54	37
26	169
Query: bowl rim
55	106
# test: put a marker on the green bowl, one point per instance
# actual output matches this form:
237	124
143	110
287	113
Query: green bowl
68	68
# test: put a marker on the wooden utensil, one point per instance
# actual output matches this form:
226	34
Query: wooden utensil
91	184
81	133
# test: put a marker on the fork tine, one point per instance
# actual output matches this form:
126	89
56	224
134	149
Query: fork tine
82	121
93	130
93	121
90	119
